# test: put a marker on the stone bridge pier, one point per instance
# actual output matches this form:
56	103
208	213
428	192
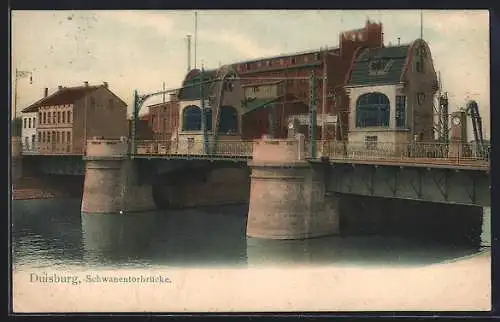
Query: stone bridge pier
112	182
288	198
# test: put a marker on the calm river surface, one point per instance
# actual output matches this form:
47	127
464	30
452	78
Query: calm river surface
54	234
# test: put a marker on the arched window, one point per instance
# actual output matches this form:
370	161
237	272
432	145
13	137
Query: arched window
372	110
191	118
228	120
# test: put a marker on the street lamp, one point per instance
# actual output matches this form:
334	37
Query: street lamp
20	74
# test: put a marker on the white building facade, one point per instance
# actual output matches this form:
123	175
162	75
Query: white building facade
28	131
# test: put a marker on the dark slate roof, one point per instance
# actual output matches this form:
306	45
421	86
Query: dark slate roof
66	95
395	56
192	80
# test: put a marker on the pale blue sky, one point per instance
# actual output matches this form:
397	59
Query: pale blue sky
142	49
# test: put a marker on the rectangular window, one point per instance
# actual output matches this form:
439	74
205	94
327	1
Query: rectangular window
48	137
58	137
68	137
40	116
58	117
63	136
29	123
24	123
34	122
69	116
54	117
49	117
44	118
43	136
400	111
64	117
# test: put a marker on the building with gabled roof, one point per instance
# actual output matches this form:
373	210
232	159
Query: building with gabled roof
71	115
391	92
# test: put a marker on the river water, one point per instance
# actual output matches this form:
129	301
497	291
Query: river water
54	234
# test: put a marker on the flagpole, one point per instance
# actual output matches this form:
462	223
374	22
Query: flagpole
421	24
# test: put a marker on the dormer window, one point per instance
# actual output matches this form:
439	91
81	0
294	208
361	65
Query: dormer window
380	66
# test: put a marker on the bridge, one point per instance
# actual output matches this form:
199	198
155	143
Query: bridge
282	170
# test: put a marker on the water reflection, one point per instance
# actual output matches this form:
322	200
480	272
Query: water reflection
116	238
353	250
48	233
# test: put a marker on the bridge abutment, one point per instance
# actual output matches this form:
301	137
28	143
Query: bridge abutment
287	195
111	181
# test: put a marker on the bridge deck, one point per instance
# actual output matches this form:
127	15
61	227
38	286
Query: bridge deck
420	162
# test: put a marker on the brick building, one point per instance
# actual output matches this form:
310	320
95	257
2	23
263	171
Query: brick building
163	118
69	116
265	94
292	96
144	132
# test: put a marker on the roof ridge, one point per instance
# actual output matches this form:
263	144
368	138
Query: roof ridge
59	92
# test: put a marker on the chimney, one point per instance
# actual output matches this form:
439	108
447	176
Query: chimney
399	41
86	84
45	92
105	84
173	96
59	87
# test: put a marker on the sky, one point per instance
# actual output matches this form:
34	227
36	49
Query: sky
143	49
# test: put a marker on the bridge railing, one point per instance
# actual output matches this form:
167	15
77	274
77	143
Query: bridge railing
419	152
226	148
50	149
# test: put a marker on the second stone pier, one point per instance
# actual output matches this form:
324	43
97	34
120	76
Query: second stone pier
111	180
287	195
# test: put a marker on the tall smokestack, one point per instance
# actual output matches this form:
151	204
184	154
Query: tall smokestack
189	52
